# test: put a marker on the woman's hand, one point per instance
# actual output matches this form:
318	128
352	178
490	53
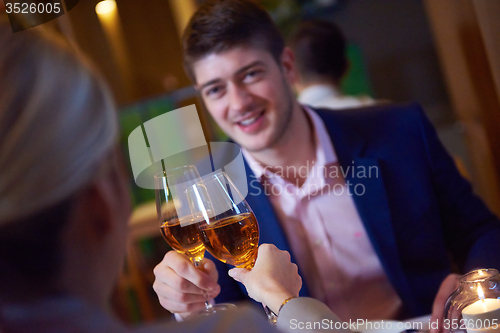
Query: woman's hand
273	279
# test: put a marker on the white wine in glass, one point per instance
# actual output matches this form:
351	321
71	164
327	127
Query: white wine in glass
184	239
233	240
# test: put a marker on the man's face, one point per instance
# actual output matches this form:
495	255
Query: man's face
248	94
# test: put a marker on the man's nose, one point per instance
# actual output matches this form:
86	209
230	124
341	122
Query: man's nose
239	98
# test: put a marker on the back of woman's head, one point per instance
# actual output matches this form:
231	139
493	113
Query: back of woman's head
57	123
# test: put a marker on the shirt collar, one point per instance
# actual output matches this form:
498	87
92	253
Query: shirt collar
325	153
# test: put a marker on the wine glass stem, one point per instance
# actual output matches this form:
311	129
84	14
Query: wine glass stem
208	304
271	316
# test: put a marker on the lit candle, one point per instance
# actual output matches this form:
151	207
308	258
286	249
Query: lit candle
484	314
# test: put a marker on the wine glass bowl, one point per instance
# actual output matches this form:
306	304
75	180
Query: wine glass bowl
233	240
185	240
226	222
176	224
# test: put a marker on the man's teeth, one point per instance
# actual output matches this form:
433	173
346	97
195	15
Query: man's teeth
248	121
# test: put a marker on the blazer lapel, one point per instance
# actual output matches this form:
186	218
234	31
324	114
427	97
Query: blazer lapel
369	195
269	227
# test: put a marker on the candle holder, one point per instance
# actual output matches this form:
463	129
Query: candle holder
474	307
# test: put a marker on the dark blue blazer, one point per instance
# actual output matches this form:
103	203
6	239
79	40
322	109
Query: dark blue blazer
422	217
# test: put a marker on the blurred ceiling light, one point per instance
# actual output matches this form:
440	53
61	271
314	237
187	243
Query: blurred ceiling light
105	7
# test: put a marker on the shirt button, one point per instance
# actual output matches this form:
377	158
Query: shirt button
317	242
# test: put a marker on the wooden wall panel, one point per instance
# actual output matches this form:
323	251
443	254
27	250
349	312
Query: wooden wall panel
466	66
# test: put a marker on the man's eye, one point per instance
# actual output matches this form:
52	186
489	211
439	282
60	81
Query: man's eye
252	75
213	92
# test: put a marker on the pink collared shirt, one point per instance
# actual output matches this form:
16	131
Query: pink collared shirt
327	236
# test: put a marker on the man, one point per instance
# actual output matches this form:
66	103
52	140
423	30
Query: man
321	63
370	245
64	206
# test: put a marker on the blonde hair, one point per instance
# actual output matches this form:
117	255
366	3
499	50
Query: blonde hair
57	122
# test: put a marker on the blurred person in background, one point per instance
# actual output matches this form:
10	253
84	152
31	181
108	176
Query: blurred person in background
64	205
321	64
385	245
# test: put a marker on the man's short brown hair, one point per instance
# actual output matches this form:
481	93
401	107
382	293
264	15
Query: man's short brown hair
220	25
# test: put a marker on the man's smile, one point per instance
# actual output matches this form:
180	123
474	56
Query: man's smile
252	122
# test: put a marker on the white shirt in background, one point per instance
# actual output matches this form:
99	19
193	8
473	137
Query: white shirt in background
327	96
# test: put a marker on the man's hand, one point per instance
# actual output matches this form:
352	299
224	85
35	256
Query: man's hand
273	279
447	287
180	286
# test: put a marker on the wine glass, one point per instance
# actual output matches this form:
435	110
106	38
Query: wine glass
177	223
227	224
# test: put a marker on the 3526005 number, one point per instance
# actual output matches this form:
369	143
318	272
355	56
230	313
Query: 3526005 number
462	324
33	8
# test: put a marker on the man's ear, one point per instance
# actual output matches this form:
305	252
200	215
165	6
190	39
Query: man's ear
288	65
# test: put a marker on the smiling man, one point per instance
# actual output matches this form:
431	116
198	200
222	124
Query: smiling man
379	253
245	91
248	95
